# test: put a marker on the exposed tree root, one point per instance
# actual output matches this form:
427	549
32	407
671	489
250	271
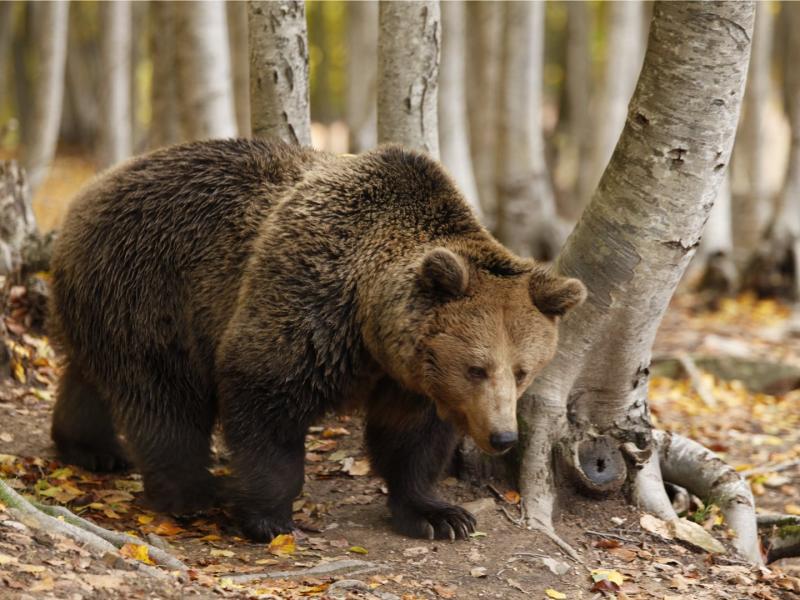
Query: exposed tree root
361	566
58	519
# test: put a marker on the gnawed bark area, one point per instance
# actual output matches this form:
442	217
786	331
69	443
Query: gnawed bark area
588	410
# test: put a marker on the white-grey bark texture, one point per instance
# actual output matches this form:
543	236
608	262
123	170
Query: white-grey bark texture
624	52
453	128
362	75
484	26
630	247
751	209
240	63
279	91
204	69
115	76
409	40
526	216
715	253
49	25
17	221
166	126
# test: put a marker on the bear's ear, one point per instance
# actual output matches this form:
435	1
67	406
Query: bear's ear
553	295
444	272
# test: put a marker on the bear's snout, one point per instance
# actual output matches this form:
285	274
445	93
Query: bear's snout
503	441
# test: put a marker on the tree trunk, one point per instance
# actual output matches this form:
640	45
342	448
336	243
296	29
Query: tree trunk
775	268
624	52
115	99
204	69
751	210
484	25
240	62
526	219
79	118
715	253
165	128
453	129
6	38
139	86
279	95
49	27
362	74
630	248
408	72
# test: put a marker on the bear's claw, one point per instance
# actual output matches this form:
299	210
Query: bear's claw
441	522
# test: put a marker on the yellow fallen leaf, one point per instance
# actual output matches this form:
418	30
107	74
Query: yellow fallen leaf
511	496
168	528
792	509
136	552
218	552
358	549
609	574
145	519
282	545
555	594
19	372
211	537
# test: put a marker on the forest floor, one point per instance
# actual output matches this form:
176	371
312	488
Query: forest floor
343	508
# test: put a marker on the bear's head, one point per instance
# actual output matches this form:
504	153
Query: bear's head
485	335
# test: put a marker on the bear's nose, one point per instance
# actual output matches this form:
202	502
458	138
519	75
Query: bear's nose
502	441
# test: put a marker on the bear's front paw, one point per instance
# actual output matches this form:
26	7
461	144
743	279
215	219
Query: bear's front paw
440	521
168	493
260	528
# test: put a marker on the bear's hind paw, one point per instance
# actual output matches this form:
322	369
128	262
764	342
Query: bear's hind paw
259	528
441	522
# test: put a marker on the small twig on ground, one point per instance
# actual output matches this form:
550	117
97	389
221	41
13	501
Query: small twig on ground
536	525
612	536
518	521
773	468
321	569
770	520
706	395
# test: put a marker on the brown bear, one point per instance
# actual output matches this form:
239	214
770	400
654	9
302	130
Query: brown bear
261	285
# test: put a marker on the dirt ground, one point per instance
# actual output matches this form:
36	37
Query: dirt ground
346	548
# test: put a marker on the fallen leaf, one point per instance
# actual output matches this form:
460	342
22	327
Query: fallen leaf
332	432
282	545
792	509
656	526
358	549
557	567
555	594
137	552
145	519
445	591
355	468
478	571
511	496
218	552
696	535
609	574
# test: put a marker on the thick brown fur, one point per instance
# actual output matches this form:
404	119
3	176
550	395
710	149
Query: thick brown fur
261	285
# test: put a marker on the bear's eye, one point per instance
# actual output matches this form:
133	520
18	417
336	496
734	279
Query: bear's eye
520	375
477	373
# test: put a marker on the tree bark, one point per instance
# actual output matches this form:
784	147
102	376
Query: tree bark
240	62
49	27
715	253
204	68
362	74
526	219
166	126
624	54
17	221
484	25
279	94
79	119
115	99
751	209
630	248
453	128
409	37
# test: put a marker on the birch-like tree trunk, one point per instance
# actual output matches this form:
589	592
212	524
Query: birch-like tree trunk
6	37
362	75
204	70
115	76
715	253
526	216
751	210
166	126
409	38
453	128
279	94
240	64
630	247
49	27
484	26
624	54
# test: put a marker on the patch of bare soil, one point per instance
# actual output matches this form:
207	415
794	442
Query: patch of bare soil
346	548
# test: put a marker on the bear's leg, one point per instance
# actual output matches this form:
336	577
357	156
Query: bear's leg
82	429
168	431
409	446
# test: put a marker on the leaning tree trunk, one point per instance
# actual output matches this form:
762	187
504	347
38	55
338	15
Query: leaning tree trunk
50	41
408	72
115	76
240	64
165	128
362	75
774	269
751	209
630	247
624	54
453	129
204	70
526	216
484	25
279	90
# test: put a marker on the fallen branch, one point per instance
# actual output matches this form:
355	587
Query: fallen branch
773	468
783	539
696	468
770	520
58	519
706	395
321	569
